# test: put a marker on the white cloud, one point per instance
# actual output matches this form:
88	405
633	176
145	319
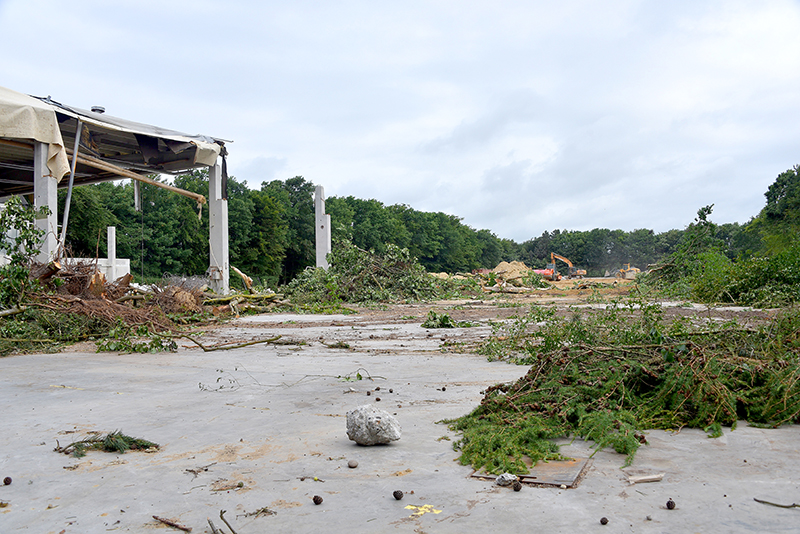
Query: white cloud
518	117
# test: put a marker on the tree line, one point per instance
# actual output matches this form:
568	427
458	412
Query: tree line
272	231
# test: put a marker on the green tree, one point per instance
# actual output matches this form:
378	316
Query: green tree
295	196
262	256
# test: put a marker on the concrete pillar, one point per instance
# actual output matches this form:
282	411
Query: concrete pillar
323	228
45	194
219	264
112	253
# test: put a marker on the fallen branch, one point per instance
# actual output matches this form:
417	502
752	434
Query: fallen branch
126	298
793	505
226	346
113	442
248	282
214	529
26	340
13	311
222	516
221	300
172	524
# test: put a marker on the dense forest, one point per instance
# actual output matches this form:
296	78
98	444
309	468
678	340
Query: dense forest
272	231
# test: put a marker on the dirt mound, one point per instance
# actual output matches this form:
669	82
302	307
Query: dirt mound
513	272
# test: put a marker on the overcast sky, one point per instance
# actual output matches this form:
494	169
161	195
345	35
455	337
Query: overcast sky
518	117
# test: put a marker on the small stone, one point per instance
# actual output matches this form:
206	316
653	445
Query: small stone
670	504
391	390
603	520
352	464
317	499
506	479
7	481
240	485
649	518
517	485
444	388
377	388
377	399
397	494
369	393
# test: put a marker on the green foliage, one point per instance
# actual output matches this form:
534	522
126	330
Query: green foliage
443	320
44	330
766	281
711	277
533	279
115	442
359	276
295	196
699	270
20	243
783	197
136	339
20	236
608	375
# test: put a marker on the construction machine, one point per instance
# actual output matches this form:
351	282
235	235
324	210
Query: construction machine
627	272
572	272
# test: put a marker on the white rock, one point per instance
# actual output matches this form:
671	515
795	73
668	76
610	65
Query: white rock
506	479
367	425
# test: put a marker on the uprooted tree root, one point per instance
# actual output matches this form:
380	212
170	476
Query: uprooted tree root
609	377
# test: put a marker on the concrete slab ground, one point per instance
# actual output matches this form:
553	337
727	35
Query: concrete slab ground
249	429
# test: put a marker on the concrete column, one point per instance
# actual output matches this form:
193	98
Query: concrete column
219	264
112	253
45	194
323	228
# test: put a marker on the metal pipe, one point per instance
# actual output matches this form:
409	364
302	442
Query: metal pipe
78	132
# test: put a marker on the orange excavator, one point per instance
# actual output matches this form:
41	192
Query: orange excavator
573	272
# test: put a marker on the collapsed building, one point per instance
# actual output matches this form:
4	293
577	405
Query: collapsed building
46	145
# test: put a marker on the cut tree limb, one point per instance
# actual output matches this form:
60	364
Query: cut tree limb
248	282
13	311
45	271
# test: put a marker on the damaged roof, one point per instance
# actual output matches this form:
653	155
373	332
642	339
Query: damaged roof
107	144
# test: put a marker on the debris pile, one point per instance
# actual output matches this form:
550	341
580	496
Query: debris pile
515	273
609	375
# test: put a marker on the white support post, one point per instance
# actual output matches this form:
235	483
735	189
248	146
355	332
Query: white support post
45	194
323	228
219	263
112	253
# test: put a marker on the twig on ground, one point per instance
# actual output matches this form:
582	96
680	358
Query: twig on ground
793	505
172	523
214	529
222	516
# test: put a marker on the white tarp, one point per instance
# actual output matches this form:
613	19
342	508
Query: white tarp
25	117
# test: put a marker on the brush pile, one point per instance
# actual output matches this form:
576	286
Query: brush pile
609	375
